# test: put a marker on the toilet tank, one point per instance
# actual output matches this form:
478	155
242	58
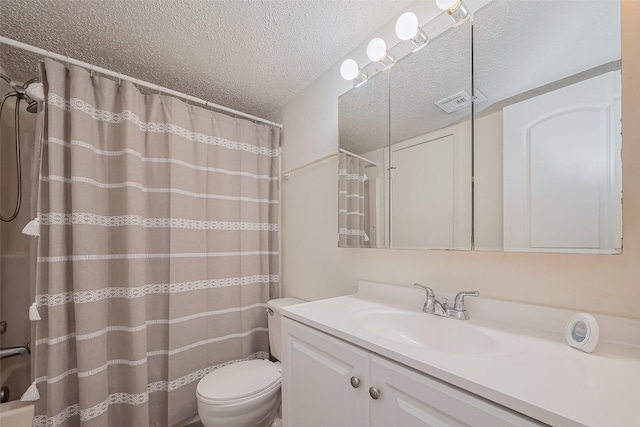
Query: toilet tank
275	322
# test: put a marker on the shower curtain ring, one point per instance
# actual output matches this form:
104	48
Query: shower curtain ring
119	79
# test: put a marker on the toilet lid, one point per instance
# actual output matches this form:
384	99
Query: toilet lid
238	380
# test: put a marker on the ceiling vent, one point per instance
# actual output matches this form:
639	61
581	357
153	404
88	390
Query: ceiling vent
459	100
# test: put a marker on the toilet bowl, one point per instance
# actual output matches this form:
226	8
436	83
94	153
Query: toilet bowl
243	394
247	393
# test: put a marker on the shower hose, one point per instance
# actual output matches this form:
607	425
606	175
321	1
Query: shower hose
18	165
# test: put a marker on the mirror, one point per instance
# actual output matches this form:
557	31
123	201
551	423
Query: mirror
416	192
430	142
547	141
546	135
363	122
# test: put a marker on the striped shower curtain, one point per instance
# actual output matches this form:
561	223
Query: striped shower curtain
157	250
351	202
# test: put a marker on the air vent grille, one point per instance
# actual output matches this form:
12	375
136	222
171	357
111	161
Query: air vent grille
459	100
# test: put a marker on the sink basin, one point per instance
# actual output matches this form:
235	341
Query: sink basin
428	331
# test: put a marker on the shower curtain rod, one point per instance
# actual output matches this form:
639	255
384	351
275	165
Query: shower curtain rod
371	162
287	174
49	54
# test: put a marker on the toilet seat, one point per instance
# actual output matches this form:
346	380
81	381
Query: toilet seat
239	382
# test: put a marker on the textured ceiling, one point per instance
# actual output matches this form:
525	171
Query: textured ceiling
249	55
541	44
443	71
518	46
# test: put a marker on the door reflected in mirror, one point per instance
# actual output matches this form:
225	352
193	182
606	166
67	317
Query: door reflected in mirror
548	173
430	150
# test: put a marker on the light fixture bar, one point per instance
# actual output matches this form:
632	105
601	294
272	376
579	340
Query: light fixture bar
420	40
456	10
458	13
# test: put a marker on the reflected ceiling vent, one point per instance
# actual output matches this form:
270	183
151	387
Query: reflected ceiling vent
459	100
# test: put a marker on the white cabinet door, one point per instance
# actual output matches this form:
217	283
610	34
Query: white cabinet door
411	399
317	390
316	379
562	169
423	195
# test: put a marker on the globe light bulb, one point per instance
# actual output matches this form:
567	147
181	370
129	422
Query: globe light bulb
447	4
349	69
407	26
377	50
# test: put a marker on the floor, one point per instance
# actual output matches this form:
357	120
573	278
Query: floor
198	424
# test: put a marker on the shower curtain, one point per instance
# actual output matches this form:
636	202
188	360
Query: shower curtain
157	250
351	202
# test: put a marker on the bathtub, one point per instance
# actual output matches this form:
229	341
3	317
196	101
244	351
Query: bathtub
15	374
16	414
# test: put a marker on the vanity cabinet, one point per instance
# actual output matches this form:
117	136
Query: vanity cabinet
412	399
317	385
329	382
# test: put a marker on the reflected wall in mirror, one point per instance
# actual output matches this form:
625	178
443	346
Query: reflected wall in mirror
430	143
363	122
547	141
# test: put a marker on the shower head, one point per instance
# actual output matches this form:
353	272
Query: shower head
21	91
34	92
32	106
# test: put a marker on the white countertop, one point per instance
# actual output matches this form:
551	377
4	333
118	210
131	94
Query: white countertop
532	370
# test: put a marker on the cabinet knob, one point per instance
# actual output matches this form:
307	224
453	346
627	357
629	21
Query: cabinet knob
374	393
355	382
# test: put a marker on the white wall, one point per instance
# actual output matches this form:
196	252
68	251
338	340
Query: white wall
314	267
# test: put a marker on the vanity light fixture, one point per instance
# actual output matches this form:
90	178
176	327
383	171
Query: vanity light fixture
349	70
454	8
408	28
377	52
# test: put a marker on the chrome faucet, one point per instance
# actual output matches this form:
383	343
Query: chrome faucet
458	311
430	303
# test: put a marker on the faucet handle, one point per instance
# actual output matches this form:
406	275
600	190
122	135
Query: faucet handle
459	301
426	288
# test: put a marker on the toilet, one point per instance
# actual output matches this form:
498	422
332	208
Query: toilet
247	393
